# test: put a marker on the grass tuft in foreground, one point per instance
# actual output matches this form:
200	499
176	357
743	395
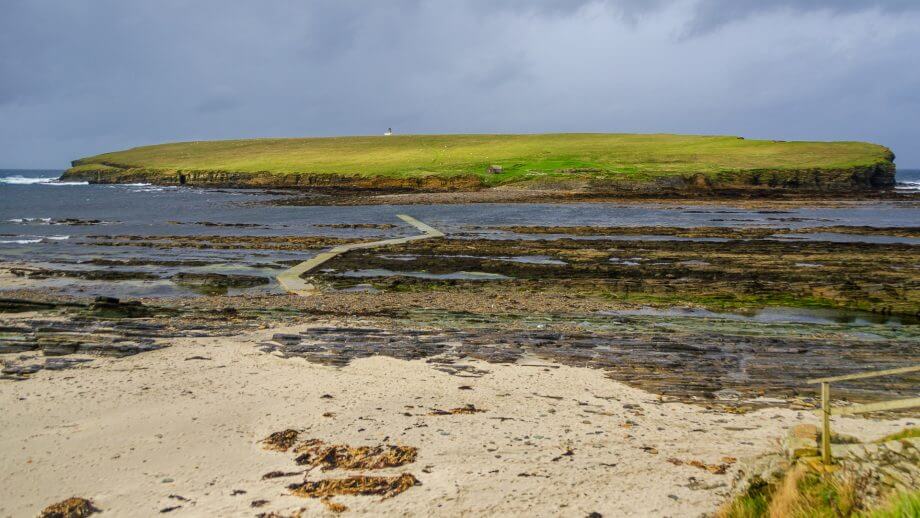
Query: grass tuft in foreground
907	433
902	505
803	493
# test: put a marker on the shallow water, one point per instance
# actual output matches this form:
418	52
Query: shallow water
459	276
148	210
778	315
33	208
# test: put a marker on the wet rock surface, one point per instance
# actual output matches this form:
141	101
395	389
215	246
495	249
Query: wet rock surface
67	334
717	232
216	242
721	360
94	275
216	283
606	303
877	277
735	370
37	344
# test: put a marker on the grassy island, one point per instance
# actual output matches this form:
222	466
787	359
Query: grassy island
604	162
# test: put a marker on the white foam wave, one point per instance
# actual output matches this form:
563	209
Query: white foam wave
908	185
31	240
20	241
30	220
25	180
28	180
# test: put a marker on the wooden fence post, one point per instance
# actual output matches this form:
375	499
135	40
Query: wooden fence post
826	428
826	410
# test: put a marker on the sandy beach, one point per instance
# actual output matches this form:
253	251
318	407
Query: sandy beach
180	428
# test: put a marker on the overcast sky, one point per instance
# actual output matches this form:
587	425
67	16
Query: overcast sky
80	77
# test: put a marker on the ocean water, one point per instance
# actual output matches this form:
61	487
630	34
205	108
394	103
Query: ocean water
36	197
908	179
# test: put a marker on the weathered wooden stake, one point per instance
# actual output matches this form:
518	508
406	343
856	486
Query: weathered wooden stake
826	428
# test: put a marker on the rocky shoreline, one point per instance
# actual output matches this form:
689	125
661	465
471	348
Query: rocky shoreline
587	353
720	362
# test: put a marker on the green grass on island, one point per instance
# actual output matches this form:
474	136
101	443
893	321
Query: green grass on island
624	156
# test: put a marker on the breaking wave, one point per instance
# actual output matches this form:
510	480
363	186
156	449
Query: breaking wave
19	241
909	185
28	180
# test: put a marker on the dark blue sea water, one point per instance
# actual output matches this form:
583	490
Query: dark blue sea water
146	209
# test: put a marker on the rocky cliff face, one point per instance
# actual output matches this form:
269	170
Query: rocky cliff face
108	174
854	179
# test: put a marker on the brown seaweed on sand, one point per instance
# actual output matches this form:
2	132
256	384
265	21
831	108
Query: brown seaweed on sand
73	507
466	409
293	514
715	469
334	507
315	453
280	441
357	485
279	474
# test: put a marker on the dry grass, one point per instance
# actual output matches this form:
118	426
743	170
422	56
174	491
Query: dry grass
316	453
358	485
900	505
907	433
801	494
787	498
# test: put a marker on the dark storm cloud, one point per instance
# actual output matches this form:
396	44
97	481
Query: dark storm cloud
711	14
79	77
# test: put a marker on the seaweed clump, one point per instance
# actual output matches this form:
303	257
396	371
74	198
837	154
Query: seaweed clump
280	441
357	485
715	469
74	507
316	453
466	409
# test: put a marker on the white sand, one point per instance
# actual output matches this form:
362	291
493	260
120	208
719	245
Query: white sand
129	432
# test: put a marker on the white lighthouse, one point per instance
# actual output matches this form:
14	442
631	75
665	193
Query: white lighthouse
388	132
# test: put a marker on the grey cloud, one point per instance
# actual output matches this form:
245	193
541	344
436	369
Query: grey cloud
86	76
711	14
